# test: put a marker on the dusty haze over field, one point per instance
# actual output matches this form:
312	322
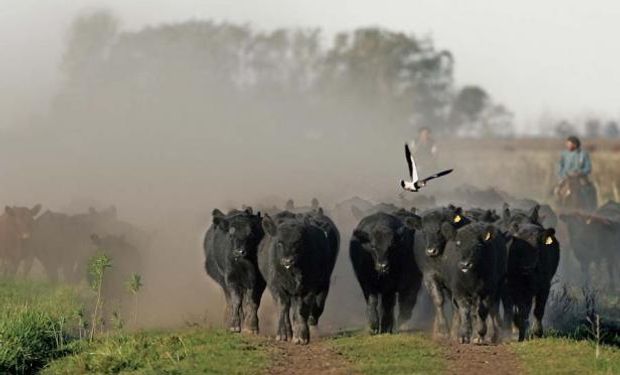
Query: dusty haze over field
170	154
556	57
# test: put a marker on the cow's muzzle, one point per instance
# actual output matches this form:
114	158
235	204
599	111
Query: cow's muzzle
382	267
287	263
466	266
239	253
432	251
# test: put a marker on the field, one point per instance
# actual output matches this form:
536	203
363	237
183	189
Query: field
40	330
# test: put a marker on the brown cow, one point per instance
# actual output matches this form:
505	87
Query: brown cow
15	228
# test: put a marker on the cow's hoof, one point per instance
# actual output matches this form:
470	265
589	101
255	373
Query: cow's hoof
252	331
478	340
464	340
281	338
312	321
235	329
300	341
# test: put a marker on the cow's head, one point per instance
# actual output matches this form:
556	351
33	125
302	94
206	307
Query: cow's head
381	242
288	237
432	223
469	244
527	245
22	219
242	229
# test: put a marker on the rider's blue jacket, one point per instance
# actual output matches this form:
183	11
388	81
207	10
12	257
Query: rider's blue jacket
574	161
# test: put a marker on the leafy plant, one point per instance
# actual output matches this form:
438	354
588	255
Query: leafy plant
134	284
96	269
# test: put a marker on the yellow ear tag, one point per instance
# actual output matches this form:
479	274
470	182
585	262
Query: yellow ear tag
488	236
457	219
549	240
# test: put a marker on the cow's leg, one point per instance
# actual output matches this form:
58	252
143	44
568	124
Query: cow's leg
371	310
523	309
495	320
540	302
301	312
28	261
465	329
318	305
481	320
51	271
611	261
250	308
236	298
386	318
284	324
585	271
456	321
406	302
441	325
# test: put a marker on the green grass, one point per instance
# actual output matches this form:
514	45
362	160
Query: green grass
391	354
37	321
566	356
191	351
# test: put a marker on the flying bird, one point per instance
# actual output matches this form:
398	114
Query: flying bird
416	184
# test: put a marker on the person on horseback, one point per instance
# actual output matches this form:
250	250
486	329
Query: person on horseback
574	168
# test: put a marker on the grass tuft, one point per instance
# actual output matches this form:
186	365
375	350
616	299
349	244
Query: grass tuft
566	356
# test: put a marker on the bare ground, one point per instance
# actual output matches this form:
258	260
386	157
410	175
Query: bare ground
317	358
481	359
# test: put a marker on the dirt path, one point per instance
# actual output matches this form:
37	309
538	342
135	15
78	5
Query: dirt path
318	358
481	359
315	358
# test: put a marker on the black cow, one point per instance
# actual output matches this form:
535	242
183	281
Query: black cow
475	266
533	258
594	239
481	214
230	248
380	251
296	258
428	248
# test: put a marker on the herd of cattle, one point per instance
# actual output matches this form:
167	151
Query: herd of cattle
63	244
475	259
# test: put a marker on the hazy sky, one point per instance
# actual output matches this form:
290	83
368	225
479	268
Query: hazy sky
551	56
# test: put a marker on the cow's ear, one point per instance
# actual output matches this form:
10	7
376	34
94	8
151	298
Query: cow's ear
413	210
448	231
506	211
357	213
534	216
320	211
248	210
549	237
34	211
269	226
414	222
219	219
258	214
9	210
489	233
361	236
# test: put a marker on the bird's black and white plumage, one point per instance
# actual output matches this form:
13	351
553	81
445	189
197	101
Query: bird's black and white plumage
416	184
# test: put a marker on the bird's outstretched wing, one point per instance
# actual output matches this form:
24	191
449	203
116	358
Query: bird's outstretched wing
413	170
438	174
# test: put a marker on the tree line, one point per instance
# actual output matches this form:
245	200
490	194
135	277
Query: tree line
204	74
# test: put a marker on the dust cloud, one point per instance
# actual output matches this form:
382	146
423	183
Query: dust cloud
168	123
